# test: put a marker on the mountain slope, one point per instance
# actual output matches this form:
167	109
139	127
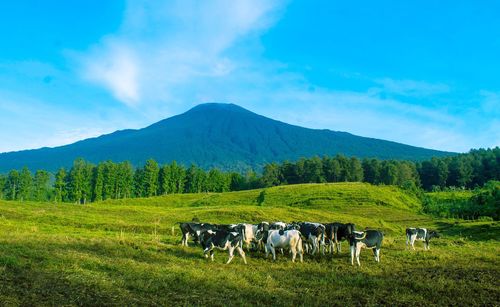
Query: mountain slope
214	135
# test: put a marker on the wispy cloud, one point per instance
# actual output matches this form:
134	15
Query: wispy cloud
166	44
33	123
412	87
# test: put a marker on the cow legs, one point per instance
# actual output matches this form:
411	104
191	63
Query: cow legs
358	252
376	253
242	254
207	251
273	251
353	253
412	241
300	250
185	237
231	254
314	247
293	249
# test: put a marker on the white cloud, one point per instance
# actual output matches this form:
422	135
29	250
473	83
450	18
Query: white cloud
165	44
115	66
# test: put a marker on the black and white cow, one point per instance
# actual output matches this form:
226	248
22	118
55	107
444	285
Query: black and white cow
371	239
249	232
284	239
223	240
256	229
419	234
313	233
194	230
337	232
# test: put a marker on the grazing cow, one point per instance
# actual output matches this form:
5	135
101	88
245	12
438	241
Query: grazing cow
336	232
284	239
420	234
251	234
314	234
223	240
239	228
371	239
194	230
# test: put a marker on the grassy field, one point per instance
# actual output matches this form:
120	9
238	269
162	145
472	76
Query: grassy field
123	252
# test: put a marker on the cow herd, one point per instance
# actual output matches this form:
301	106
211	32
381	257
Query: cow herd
296	237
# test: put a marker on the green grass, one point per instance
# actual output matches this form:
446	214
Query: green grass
450	196
122	252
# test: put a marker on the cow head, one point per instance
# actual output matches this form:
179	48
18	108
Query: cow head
264	226
349	229
433	234
262	235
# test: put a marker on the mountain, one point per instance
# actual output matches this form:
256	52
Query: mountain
214	135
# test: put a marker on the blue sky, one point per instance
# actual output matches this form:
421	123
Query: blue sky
424	73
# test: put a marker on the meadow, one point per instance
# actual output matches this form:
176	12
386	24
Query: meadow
127	252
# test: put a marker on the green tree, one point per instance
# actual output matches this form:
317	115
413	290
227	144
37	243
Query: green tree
109	173
344	168
3	181
178	177
138	182
371	170
98	182
272	175
60	185
388	173
124	180
42	185
313	171
25	184
151	171
11	189
355	170
196	180
80	182
217	181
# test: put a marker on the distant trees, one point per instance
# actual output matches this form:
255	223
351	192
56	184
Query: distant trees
484	202
85	182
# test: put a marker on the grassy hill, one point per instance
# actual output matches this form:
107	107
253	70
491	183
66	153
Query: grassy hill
123	252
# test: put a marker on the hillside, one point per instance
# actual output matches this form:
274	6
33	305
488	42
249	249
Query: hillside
214	135
123	252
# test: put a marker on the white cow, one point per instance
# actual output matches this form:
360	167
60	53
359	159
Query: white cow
419	234
284	239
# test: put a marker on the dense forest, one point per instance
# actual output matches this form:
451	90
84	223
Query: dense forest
85	182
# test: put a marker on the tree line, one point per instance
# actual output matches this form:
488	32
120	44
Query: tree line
86	182
484	203
466	171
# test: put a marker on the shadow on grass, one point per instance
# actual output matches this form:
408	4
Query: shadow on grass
475	231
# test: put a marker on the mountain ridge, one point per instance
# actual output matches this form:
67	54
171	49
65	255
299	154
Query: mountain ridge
209	135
